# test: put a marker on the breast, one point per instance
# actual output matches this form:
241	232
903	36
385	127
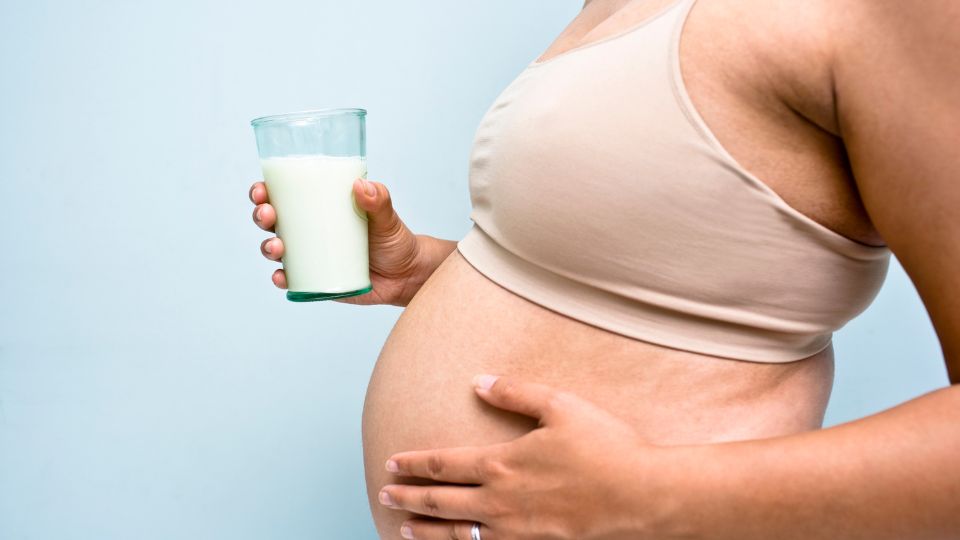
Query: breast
594	174
461	324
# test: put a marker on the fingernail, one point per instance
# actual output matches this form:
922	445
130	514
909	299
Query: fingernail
385	499
259	213
406	532
392	466
484	382
369	188
267	248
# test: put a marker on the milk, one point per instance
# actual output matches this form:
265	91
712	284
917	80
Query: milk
324	233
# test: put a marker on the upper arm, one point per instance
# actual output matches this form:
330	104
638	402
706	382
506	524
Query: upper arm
896	69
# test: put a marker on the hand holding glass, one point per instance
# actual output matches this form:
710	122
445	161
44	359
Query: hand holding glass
310	161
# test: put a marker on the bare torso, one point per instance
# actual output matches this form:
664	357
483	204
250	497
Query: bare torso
758	73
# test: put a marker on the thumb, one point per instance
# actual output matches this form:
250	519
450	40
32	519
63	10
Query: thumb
374	199
529	399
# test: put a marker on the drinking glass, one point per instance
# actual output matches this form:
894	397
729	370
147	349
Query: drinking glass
310	160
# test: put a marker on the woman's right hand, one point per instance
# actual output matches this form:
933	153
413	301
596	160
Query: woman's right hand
399	262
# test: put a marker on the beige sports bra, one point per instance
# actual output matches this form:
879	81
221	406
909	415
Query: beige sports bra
599	192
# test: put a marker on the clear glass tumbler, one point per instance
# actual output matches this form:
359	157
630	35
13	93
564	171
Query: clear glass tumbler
310	161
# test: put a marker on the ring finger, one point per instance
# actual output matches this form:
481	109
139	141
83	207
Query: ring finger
421	529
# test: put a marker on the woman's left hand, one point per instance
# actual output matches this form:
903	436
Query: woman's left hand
583	473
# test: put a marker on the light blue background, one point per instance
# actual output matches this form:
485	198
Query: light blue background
153	383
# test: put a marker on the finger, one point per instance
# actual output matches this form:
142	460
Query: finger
422	529
258	193
265	216
530	399
272	248
279	278
445	502
374	199
464	465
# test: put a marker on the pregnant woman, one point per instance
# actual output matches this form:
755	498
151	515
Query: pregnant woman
674	207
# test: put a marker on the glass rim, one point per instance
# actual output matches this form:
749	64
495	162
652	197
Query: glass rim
306	115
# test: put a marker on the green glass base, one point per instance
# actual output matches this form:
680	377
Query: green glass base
318	296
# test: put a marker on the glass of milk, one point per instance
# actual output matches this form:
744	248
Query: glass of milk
310	161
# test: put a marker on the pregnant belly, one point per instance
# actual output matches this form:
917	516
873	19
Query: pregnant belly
461	324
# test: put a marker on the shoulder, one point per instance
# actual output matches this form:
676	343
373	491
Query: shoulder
926	32
912	24
882	48
896	66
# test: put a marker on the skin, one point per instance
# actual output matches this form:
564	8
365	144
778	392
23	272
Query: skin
891	475
790	95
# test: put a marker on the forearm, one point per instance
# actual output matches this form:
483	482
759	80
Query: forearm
893	475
